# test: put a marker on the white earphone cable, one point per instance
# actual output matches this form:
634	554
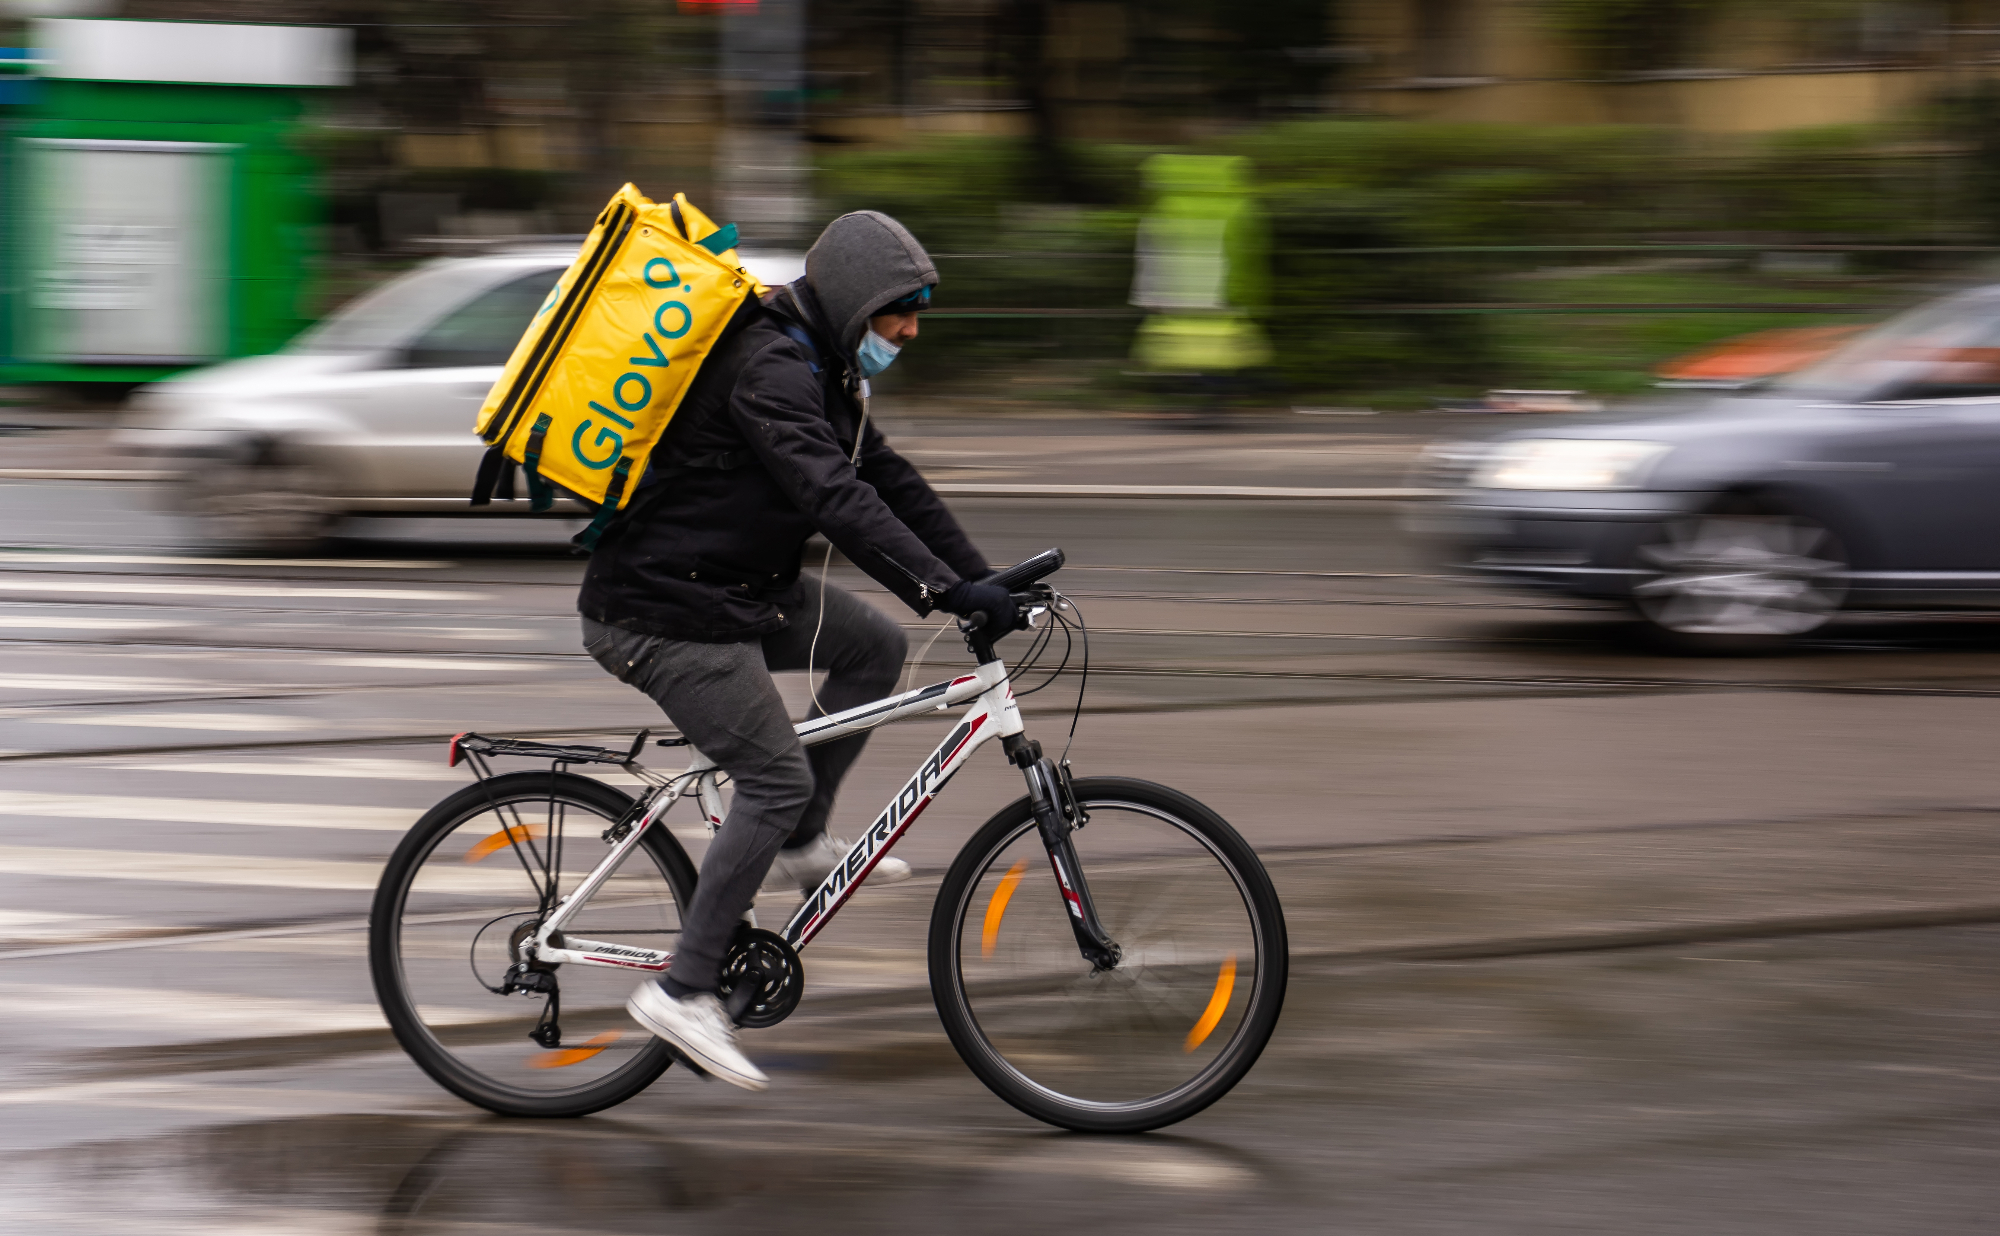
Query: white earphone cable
826	562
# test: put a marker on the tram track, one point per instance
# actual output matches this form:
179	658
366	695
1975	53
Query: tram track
940	665
1440	688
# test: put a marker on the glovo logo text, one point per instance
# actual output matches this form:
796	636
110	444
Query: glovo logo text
633	391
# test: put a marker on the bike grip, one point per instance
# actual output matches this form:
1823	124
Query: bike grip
1028	570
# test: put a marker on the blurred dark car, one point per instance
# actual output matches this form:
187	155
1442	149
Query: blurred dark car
1869	480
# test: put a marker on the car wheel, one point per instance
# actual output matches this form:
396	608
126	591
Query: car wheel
1742	579
261	504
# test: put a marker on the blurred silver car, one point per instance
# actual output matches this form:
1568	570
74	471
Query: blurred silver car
368	413
1868	480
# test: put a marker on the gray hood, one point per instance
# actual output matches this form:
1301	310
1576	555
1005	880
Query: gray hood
861	262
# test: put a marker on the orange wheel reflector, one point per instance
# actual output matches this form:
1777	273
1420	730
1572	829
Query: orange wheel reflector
504	838
1225	982
562	1058
996	909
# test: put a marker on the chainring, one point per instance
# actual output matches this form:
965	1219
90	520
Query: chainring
762	978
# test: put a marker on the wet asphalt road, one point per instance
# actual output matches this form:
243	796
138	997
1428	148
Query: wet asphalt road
1587	939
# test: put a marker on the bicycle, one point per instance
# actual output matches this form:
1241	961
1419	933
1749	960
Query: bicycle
1118	1001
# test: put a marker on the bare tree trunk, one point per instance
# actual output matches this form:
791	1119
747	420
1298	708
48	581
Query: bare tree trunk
1052	172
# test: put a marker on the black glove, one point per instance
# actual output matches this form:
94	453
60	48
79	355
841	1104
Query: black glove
990	602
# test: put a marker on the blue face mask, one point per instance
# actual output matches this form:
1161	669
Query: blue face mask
875	354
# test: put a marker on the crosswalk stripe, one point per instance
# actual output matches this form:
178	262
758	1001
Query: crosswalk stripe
36	557
205	811
224	722
215	1014
352	768
192	588
64	622
208	1014
345	767
28	927
102	682
429	663
243	870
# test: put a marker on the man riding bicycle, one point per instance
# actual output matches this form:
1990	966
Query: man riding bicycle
694	595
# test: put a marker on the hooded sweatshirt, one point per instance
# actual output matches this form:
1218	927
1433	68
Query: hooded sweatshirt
756	460
861	262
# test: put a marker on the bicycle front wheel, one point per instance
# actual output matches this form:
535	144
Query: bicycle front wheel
1158	1037
474	877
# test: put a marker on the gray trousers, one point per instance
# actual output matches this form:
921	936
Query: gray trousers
722	698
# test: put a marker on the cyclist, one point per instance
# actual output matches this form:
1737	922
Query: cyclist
694	595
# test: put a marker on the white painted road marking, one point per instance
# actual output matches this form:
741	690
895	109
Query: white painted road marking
205	811
242	870
428	663
360	768
32	557
22	927
181	1013
234	722
61	622
356	768
198	588
101	682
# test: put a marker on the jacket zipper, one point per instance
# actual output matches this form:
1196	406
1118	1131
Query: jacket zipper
924	591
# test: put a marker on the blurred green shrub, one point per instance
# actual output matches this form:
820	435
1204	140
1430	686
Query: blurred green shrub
997	248
1838	182
1343	185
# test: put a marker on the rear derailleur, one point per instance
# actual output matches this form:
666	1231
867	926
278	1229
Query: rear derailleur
532	977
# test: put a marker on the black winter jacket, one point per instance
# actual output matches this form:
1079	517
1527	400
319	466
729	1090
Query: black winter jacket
703	553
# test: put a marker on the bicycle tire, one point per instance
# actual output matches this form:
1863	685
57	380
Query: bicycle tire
388	972
960	1010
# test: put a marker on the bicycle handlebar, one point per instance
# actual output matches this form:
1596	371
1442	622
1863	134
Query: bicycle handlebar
1015	579
1028	571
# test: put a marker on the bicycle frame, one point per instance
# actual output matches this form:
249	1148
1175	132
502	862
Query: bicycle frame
993	715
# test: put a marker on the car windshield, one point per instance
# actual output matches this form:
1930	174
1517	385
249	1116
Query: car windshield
1950	348
393	314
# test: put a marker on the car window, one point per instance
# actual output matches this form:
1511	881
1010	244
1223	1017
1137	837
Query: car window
484	330
389	315
1949	349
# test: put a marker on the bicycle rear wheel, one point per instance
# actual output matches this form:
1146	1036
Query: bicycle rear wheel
477	873
1157	1038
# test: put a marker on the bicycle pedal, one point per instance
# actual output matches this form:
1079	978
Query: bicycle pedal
737	1003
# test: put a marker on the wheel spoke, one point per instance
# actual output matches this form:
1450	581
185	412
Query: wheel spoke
449	945
1167	1027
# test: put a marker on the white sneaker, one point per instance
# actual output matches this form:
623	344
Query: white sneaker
814	861
699	1027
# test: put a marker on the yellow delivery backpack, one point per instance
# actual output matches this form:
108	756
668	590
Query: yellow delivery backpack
597	376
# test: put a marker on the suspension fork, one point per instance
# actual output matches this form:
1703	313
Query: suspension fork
1057	815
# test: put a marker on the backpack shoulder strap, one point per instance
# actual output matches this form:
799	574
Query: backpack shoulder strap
797	334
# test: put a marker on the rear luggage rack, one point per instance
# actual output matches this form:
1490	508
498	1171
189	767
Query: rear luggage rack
470	744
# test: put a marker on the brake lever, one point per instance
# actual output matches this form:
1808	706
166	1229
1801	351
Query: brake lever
1030	605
